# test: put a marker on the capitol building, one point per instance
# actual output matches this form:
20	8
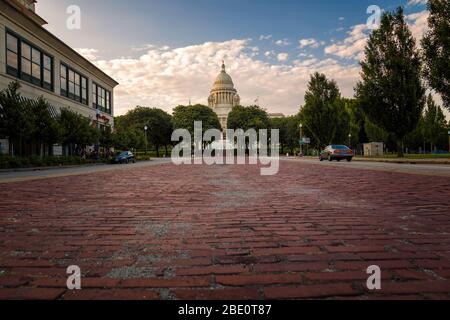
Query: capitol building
223	96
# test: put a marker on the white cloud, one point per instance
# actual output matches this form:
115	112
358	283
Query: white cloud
265	37
311	42
166	78
353	46
282	57
283	43
416	2
90	54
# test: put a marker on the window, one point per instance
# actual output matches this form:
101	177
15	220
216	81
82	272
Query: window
63	80
28	63
12	51
101	98
73	85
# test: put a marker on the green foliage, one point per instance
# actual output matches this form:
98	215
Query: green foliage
16	117
76	130
436	47
324	117
289	132
46	128
434	124
131	133
9	162
245	118
185	116
391	91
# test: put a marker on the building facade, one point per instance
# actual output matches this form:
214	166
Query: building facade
45	66
223	96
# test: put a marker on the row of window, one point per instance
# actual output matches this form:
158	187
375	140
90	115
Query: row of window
28	63
73	85
31	64
101	98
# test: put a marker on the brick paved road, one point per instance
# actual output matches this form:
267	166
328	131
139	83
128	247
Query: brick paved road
225	232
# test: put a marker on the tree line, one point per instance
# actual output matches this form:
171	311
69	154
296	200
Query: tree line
33	130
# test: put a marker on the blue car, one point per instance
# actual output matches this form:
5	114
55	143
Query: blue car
124	157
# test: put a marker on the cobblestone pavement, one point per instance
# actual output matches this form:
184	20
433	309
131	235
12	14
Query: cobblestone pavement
225	232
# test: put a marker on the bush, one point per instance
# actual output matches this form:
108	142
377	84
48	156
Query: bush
8	162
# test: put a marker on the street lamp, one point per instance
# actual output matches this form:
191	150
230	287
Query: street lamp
301	140
146	141
449	141
349	139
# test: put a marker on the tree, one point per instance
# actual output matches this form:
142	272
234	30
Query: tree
391	91
157	121
76	131
16	120
281	125
106	139
245	118
434	123
324	117
46	127
185	116
436	47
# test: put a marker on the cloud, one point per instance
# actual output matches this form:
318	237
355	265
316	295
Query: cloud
90	54
265	37
167	77
283	43
416	2
353	46
311	42
282	57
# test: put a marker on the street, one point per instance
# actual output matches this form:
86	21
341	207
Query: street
159	231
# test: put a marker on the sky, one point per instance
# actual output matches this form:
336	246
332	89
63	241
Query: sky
168	52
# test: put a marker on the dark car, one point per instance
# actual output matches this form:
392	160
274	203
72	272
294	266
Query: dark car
337	152
124	157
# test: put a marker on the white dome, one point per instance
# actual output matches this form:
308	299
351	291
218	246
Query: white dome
223	81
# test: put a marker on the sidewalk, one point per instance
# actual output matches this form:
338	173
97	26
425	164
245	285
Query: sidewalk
442	161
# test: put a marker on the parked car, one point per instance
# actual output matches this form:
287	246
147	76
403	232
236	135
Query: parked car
124	157
337	152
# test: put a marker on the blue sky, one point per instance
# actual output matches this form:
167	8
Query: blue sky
180	43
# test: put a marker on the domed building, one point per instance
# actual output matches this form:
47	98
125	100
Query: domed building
223	96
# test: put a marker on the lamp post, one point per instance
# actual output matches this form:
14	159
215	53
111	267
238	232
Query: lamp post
301	140
449	141
146	140
350	140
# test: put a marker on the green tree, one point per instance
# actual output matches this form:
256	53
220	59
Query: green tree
106	139
434	123
281	125
46	127
16	117
436	47
157	121
324	117
391	91
245	118
185	116
76	131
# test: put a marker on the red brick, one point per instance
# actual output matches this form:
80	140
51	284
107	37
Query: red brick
116	294
218	294
228	269
309	291
30	294
166	283
245	280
